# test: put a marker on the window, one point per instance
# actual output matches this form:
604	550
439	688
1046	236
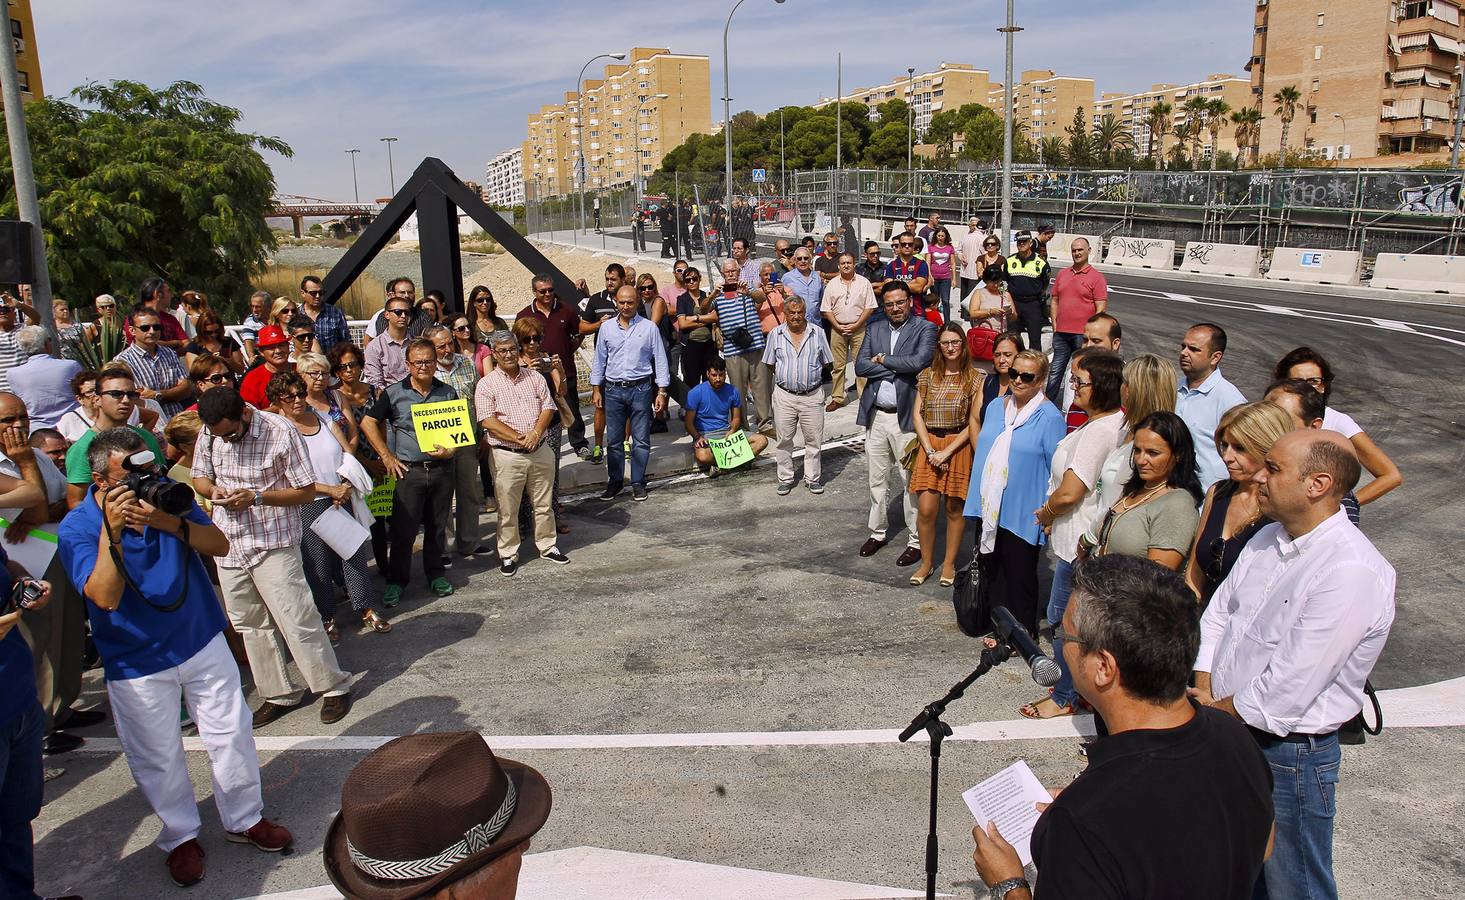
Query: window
1317	51
25	80
1312	115
1316	83
1319	20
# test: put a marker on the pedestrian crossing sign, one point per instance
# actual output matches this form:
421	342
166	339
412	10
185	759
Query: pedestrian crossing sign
760	176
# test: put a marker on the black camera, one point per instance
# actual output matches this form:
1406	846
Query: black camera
23	595
162	492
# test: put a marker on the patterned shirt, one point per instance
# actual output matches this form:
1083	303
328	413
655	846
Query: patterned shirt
331	327
800	369
463	378
740	313
9	356
157	371
271	456
386	361
516	401
948	399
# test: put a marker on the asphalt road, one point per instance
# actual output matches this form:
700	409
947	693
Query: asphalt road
718	607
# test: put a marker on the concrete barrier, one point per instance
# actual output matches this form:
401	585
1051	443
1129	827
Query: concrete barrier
1315	266
1424	272
1058	247
1142	253
1206	258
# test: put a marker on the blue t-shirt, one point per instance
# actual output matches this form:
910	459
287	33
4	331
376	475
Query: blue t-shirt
713	408
17	666
135	639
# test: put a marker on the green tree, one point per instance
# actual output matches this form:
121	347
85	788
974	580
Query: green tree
1287	100
1196	110
1110	138
979	127
1052	151
1216	112
1158	122
1080	146
135	182
1248	122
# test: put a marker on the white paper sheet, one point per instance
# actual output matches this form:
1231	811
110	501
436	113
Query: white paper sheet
341	532
1008	799
35	552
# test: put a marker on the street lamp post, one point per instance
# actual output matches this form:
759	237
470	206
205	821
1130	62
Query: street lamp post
640	176
727	111
1007	116
1344	119
25	181
782	181
355	190
910	121
580	125
391	173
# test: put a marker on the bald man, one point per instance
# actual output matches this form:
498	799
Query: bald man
1289	639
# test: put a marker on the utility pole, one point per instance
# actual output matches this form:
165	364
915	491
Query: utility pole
838	118
910	123
25	180
354	189
782	180
1007	116
1459	116
391	173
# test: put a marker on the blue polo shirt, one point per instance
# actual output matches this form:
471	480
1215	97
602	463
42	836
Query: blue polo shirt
17	665
713	408
135	639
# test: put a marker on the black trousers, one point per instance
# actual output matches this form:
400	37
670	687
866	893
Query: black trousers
423	498
576	432
695	356
668	245
1010	577
1030	320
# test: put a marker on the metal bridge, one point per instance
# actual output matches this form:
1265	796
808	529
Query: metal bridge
297	208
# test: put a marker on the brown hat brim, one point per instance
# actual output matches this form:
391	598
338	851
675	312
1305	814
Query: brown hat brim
530	814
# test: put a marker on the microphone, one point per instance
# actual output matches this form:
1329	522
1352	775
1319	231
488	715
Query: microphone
1045	671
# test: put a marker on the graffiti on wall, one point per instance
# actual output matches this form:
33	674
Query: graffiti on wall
1437	199
1135	247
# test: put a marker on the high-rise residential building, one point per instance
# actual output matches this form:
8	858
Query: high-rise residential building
1044	102
950	86
27	58
1373	76
503	183
1133	111
633	115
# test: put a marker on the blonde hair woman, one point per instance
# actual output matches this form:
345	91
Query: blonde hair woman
1230	516
281	311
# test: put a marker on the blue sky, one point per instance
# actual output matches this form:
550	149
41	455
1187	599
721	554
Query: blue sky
456	79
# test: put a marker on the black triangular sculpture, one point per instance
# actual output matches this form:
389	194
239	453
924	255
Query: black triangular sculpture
436	194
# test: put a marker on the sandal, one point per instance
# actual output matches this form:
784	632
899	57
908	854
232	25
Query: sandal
332	631
562	528
1034	711
371	621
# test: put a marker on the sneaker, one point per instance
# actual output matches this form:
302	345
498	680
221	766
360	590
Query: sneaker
507	567
554	555
597	455
638	492
441	587
185	863
584	452
610	493
392	595
447	561
483	550
184	719
814	487
264	835
785	488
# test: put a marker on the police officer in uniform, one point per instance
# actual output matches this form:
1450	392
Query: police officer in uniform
1027	281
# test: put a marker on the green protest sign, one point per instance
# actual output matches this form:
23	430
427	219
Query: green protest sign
732	451
379	501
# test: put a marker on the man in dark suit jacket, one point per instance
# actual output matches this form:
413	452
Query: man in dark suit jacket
896	349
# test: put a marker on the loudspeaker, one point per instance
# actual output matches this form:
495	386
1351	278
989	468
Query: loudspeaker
17	257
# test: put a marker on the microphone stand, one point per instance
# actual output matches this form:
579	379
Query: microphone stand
930	720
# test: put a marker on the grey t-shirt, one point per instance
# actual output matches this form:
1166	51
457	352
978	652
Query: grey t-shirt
1167	522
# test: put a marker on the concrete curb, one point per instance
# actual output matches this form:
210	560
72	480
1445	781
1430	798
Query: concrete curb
1332	290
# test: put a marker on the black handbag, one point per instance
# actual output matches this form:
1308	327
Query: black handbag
969	601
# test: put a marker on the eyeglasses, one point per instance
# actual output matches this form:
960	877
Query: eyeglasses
398	311
314	293
1079	385
422	363
116	394
831	243
216	378
1316	382
1024	377
692	276
950	343
905	244
313	373
158	327
1061	634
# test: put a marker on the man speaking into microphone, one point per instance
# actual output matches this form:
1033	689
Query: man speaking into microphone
1177	799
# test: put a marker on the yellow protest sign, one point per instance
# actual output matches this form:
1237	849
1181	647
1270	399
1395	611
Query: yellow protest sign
380	500
442	424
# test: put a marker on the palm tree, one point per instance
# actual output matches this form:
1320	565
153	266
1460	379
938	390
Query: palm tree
1248	121
1110	137
1158	122
1196	110
1287	100
1216	111
1052	151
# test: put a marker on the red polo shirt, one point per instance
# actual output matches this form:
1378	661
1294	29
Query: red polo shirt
1077	296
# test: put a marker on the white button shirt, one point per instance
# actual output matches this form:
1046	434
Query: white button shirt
1295	629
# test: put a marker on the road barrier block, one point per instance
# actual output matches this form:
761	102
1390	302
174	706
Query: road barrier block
1058	247
1142	253
1424	272
1312	266
1208	258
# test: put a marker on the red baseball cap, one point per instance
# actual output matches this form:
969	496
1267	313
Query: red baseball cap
270	335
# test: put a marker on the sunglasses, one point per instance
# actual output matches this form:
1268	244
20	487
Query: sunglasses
397	311
785	252
831	243
647	287
157	327
463	328
105	306
292	396
116	394
483	299
314	293
15	421
531	339
290	311
543	291
693	277
1024	377
302	337
347	365
216	378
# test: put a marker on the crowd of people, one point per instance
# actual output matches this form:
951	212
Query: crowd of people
1229	525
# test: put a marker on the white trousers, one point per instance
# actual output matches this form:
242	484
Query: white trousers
271	599
146	713
884	442
803	413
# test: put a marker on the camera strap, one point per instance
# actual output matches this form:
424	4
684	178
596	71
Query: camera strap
115	550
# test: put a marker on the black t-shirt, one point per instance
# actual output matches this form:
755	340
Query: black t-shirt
1179	812
825	265
597	306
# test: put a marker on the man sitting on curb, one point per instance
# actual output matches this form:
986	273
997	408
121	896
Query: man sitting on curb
714	411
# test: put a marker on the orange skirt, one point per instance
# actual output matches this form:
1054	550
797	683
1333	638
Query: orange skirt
951	481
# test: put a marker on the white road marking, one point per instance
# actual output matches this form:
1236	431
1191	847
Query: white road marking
594	873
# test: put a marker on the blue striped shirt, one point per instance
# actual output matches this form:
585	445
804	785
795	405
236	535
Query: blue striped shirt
738	314
798	369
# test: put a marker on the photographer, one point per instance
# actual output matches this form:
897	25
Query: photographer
21	726
735	312
160	634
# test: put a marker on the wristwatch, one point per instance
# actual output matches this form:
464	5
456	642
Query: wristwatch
259	498
1001	888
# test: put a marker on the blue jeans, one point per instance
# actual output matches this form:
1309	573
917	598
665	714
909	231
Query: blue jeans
20	801
625	405
1304	792
1063	692
942	289
1064	344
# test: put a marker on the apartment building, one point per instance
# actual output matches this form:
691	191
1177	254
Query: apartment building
1133	111
950	86
633	115
1044	102
27	58
503	183
1373	76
